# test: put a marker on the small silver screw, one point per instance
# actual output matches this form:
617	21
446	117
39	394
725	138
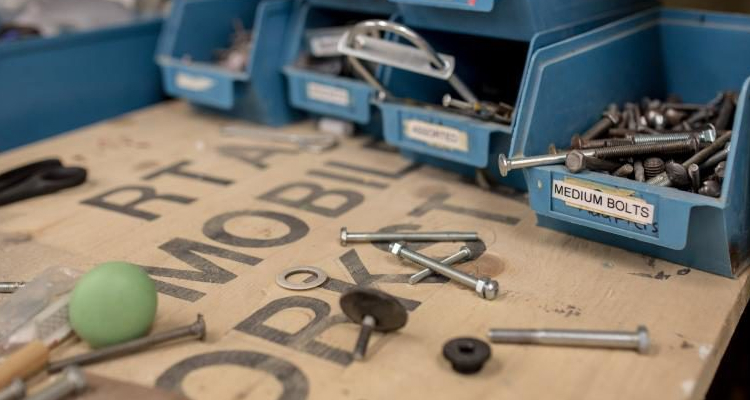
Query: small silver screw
484	287
72	381
11	287
15	391
638	340
463	254
195	330
364	237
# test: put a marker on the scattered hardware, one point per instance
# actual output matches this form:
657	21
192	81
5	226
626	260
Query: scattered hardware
15	391
96	305
463	254
374	310
196	330
37	179
236	56
313	143
682	144
72	381
638	340
484	287
320	278
11	287
362	42
467	355
365	237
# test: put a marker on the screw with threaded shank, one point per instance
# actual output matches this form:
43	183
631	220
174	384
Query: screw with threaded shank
463	254
699	157
72	381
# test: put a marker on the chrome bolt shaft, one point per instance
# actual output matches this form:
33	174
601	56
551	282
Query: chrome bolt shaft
364	237
638	340
484	287
463	254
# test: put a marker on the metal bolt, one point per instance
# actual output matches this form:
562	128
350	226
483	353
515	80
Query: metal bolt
648	148
638	340
720	170
673	116
640	172
653	166
364	237
195	330
694	172
624	171
715	159
726	111
576	142
375	311
484	287
576	162
463	254
707	135
608	121
699	157
677	174
15	391
72	381
710	188
11	287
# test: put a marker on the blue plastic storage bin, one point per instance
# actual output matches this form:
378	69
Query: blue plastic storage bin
509	19
476	142
319	93
655	54
197	28
52	85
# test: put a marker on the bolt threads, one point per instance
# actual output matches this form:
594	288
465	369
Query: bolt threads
683	146
653	166
662	138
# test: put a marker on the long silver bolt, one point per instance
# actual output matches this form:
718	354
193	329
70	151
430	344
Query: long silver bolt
638	340
707	135
15	391
195	330
463	254
11	287
364	237
699	157
484	287
72	381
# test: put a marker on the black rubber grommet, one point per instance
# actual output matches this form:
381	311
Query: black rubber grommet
467	355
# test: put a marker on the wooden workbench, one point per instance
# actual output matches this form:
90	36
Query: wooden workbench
243	210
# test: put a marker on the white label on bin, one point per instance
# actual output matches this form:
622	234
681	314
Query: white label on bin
327	94
435	135
325	45
623	207
193	83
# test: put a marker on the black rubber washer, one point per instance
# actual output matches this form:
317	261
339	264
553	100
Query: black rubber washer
467	355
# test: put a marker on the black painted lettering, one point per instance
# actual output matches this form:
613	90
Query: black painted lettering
145	194
293	382
372	171
215	229
315	192
437	202
253	155
346	178
189	252
177	169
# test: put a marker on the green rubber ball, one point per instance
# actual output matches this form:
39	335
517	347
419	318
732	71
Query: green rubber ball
113	303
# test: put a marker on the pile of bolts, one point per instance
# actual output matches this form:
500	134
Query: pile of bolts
664	143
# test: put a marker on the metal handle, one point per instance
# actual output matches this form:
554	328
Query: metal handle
420	58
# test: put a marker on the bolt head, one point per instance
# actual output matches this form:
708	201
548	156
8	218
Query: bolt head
504	164
447	100
614	117
199	328
708	135
644	342
576	142
342	236
395	248
575	161
74	375
467	250
487	289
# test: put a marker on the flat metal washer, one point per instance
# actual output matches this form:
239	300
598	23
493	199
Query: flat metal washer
320	278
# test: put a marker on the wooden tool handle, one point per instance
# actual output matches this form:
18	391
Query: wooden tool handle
24	362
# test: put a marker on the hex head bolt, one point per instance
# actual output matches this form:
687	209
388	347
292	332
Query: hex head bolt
366	237
195	330
463	254
699	157
484	287
375	311
15	391
576	162
609	120
72	381
638	340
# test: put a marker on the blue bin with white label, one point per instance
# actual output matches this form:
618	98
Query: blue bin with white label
197	29
508	19
315	32
655	54
414	121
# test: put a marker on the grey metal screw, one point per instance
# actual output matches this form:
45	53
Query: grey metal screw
720	156
484	287
694	172
576	162
638	340
609	120
195	330
364	237
699	157
677	174
720	170
15	391
707	135
710	188
640	172
72	381
726	111
463	254
624	171
11	287
653	166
